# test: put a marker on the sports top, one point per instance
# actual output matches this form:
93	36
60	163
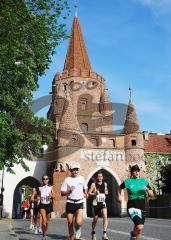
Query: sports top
44	194
135	188
78	193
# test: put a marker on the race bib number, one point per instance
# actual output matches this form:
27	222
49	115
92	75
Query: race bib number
45	199
101	197
135	212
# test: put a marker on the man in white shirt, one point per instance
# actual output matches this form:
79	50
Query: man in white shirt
74	188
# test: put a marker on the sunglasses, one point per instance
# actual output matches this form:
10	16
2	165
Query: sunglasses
74	169
45	178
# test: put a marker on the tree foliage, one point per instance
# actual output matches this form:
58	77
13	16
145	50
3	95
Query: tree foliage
30	31
155	165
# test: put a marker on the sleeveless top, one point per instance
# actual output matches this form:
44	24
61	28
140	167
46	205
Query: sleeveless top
101	197
44	194
100	187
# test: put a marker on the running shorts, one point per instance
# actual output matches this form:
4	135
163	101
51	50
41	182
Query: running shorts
136	215
47	207
73	207
98	208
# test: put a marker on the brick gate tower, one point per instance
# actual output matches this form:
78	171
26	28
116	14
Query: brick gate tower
81	112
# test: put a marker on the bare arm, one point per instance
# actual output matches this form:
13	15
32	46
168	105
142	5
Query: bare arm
52	194
119	194
106	189
91	191
149	191
66	193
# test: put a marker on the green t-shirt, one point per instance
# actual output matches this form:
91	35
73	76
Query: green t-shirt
135	188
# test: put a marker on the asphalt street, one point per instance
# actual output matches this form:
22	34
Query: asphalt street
119	228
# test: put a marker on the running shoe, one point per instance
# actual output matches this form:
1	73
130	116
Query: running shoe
132	236
93	236
105	237
31	226
36	230
44	238
40	230
77	233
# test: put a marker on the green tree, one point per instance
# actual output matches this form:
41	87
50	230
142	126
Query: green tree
155	165
30	31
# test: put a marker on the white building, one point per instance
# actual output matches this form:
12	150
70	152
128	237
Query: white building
13	185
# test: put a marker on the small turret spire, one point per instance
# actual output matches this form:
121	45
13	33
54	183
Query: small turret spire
131	122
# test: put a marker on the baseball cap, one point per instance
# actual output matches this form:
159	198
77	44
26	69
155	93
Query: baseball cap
74	165
135	168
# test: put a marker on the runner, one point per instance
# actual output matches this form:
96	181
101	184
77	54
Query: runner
138	189
99	191
25	208
34	210
74	188
46	206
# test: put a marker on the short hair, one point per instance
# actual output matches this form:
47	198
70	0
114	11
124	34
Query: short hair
45	175
99	172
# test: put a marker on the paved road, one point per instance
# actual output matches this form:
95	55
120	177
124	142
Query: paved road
119	228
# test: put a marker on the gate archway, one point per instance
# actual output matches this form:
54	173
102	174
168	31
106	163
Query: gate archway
113	206
28	182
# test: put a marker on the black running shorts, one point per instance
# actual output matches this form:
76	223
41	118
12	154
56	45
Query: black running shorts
73	207
98	208
47	207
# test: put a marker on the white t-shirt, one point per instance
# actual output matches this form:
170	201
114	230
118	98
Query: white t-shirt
44	194
79	184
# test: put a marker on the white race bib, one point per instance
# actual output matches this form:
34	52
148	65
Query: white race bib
45	199
101	197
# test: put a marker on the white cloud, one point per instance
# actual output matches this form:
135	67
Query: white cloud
161	10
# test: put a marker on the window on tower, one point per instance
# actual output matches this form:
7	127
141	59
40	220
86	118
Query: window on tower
95	141
83	104
133	142
113	142
84	127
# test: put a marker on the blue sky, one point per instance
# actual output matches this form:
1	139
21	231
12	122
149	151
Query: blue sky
128	41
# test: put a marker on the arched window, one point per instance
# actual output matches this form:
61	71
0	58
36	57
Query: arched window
84	127
83	104
113	142
133	142
95	141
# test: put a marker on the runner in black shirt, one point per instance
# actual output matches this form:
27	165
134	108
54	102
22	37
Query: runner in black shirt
99	191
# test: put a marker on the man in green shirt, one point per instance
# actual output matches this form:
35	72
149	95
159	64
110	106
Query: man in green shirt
138	189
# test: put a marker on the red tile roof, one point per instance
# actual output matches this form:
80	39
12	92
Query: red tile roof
158	143
77	56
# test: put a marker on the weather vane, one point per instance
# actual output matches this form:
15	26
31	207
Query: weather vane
76	7
130	91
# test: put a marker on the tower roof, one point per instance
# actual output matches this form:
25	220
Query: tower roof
77	57
131	123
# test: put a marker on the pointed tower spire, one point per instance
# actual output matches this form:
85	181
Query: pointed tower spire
77	57
131	123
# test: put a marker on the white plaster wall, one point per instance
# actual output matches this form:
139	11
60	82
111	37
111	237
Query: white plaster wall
37	169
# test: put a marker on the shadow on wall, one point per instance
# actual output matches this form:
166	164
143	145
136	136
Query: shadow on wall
40	167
